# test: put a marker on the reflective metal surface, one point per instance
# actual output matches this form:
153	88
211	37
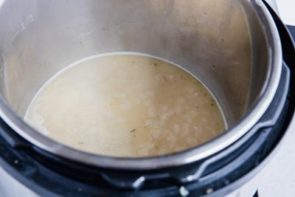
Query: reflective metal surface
231	46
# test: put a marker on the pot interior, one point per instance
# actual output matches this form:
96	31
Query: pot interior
219	41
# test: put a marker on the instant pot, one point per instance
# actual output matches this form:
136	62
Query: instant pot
239	49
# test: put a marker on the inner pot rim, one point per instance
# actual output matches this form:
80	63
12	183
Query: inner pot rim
183	157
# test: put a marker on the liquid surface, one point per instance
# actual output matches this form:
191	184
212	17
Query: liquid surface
127	106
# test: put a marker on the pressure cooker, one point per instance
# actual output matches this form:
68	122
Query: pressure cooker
238	48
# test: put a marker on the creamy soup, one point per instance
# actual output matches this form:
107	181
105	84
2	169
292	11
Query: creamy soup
126	105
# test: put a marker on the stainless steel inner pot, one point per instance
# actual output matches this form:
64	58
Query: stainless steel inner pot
232	46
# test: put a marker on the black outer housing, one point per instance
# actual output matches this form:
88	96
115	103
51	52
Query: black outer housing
218	175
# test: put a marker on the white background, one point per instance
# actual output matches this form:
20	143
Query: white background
287	11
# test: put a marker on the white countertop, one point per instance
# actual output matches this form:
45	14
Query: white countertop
286	10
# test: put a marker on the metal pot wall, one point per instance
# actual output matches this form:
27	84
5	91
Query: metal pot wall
231	46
